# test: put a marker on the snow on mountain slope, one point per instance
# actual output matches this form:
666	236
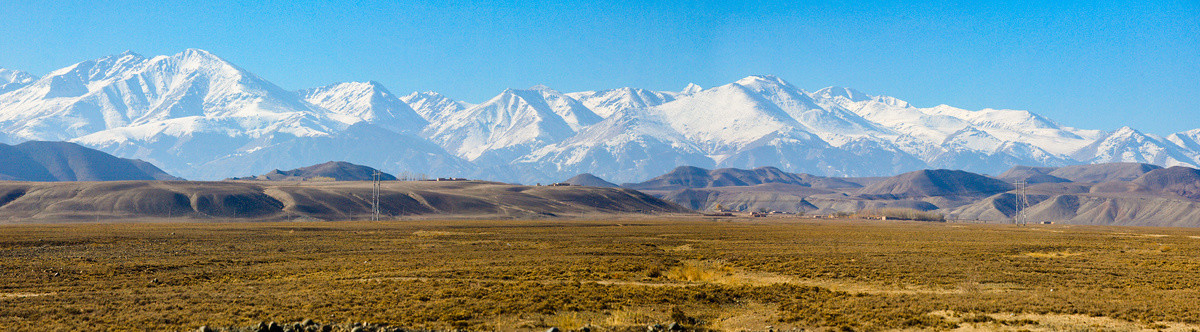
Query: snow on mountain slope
128	89
1016	125
628	146
691	88
834	125
1129	145
606	102
725	118
740	127
575	113
184	112
201	117
504	128
352	102
433	106
13	79
938	134
699	128
1189	140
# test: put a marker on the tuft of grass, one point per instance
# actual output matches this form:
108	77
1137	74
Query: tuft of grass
710	271
566	321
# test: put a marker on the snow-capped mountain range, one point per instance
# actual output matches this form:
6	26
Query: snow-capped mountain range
201	117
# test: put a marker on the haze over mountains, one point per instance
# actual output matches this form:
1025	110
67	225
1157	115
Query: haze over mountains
201	117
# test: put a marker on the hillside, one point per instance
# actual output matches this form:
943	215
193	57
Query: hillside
1182	181
590	180
940	182
1131	194
333	170
62	161
695	177
24	202
1098	173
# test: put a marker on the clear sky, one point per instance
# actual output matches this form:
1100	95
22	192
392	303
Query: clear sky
1085	64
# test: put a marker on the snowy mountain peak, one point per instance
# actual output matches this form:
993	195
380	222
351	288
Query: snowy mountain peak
128	89
353	102
1129	145
569	109
14	79
607	102
759	80
1126	131
129	53
14	76
202	117
834	92
196	53
433	106
509	125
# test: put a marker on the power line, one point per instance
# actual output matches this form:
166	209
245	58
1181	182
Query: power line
1021	202
375	195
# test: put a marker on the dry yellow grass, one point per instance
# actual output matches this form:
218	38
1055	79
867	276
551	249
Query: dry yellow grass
740	274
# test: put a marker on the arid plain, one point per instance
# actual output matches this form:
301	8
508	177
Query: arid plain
618	273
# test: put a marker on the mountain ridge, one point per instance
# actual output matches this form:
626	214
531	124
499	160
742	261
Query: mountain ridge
195	114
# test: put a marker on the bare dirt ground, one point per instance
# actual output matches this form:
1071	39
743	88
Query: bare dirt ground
615	273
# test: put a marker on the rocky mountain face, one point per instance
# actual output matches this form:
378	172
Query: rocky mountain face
201	117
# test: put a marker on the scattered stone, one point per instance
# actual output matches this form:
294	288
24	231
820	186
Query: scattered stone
308	325
674	327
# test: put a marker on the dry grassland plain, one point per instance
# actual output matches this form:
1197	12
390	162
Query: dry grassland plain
617	274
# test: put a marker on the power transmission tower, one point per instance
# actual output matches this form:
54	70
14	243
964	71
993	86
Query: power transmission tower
375	196
1022	203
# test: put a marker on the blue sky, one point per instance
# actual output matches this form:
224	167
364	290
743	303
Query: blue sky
1089	65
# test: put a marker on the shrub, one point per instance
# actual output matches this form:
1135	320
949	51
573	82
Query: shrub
900	214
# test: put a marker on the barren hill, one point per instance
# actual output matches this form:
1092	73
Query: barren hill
336	170
1107	194
940	182
587	179
1103	172
22	202
1031	175
63	161
694	177
1182	181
